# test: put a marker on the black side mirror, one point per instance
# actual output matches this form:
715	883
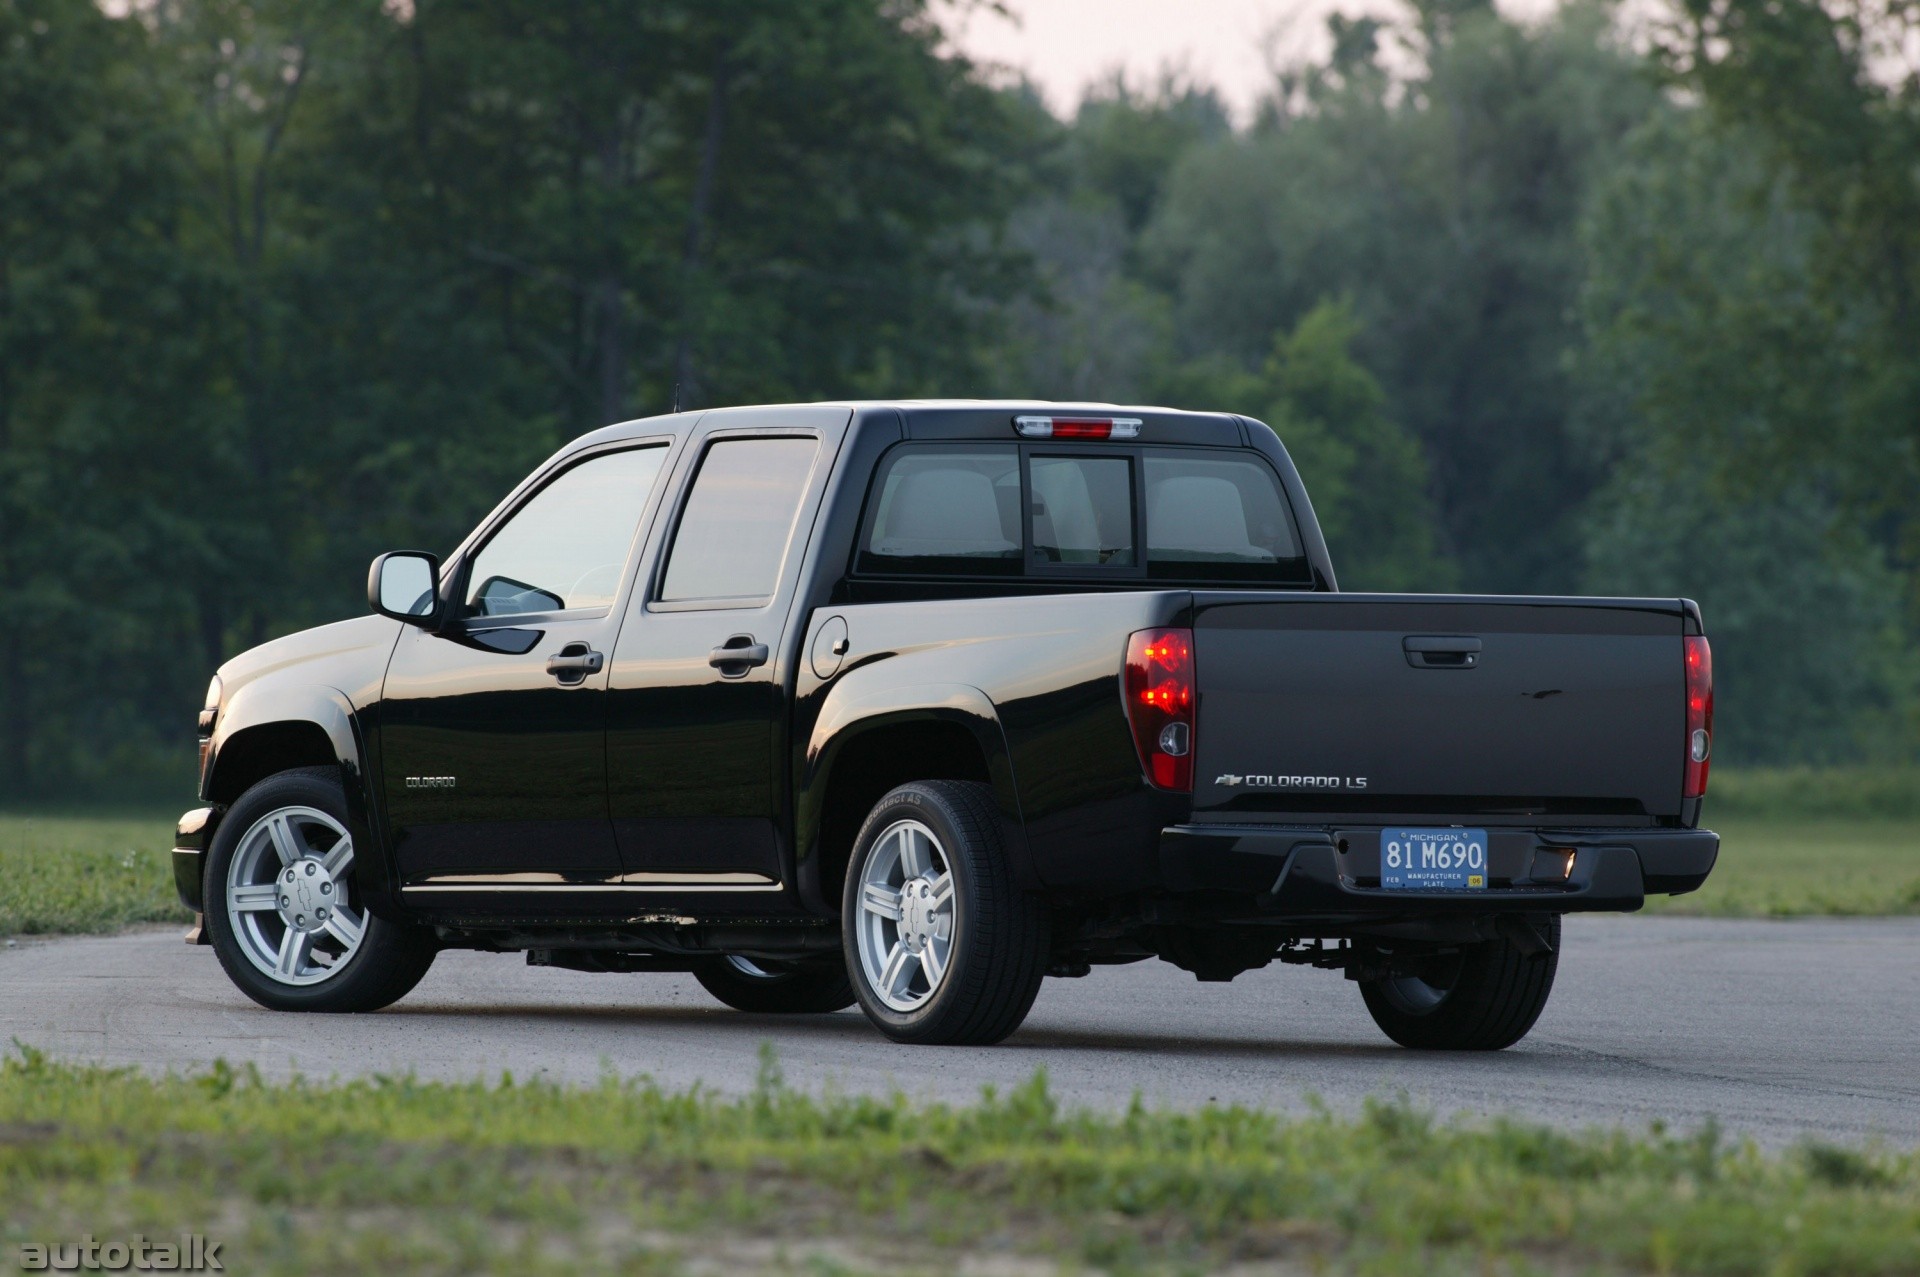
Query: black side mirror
405	585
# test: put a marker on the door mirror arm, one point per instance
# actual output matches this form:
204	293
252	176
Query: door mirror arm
405	585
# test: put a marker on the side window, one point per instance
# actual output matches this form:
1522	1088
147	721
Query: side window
1083	510
1219	517
567	546
738	521
947	510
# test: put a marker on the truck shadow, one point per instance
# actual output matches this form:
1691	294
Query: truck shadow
849	1026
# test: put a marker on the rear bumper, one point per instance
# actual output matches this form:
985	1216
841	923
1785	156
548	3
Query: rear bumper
1329	873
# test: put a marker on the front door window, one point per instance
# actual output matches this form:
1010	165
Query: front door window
564	550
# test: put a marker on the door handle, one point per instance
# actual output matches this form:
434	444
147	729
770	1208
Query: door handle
572	663
1441	651
737	655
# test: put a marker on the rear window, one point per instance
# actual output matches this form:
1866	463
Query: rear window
1007	509
1219	518
1083	510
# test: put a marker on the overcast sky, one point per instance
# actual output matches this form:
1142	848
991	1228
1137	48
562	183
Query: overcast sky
1064	44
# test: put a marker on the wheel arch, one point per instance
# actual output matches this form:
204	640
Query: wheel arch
864	747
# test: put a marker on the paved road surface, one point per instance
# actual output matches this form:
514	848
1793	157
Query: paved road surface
1782	1029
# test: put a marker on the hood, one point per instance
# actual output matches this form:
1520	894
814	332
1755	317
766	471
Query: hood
348	655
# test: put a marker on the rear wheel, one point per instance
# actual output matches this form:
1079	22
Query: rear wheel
942	945
1484	997
284	908
812	986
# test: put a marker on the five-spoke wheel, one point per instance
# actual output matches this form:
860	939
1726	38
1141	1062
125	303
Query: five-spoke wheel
289	896
905	931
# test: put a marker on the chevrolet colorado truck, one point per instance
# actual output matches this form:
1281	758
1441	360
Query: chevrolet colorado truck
916	704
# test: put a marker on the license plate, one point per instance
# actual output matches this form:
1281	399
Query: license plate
1433	859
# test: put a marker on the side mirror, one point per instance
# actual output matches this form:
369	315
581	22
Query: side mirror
405	585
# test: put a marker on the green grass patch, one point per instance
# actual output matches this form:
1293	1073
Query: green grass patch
64	874
397	1175
1797	867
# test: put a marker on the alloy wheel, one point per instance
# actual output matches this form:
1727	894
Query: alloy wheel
290	896
906	926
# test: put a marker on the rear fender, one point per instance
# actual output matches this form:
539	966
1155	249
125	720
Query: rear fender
856	709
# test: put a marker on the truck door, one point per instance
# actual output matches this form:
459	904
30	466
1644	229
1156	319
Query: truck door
696	703
492	733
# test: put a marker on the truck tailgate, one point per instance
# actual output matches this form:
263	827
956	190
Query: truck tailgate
1438	706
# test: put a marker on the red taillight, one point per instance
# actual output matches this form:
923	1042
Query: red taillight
1699	714
1077	427
1159	684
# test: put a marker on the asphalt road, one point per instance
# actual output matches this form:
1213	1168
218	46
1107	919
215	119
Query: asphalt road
1781	1030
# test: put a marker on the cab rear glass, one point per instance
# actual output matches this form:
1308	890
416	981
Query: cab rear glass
1098	512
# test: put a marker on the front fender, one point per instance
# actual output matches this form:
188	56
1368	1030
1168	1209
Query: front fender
865	701
267	727
266	704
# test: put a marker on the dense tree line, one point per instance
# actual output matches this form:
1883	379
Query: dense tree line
289	282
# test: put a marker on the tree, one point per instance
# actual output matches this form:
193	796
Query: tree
1828	97
1709	344
1445	206
1365	473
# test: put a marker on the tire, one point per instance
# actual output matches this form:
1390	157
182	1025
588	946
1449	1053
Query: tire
1485	998
777	988
304	813
932	851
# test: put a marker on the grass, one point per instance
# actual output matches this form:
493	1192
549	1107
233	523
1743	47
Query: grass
1777	868
1801	841
398	1175
1797	841
62	874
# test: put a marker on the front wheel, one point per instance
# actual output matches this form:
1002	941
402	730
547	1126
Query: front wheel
284	907
942	944
1484	997
811	987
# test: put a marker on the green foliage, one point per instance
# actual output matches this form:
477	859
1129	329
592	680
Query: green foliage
1827	94
1366	475
287	283
1441	206
412	1172
1810	659
1809	793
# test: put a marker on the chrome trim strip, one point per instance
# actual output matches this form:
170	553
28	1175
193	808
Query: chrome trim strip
744	879
682	879
683	884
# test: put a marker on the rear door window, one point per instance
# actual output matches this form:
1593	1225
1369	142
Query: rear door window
738	521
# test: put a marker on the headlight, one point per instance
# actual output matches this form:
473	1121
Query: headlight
210	709
208	714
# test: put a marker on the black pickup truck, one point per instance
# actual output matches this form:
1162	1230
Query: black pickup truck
916	704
